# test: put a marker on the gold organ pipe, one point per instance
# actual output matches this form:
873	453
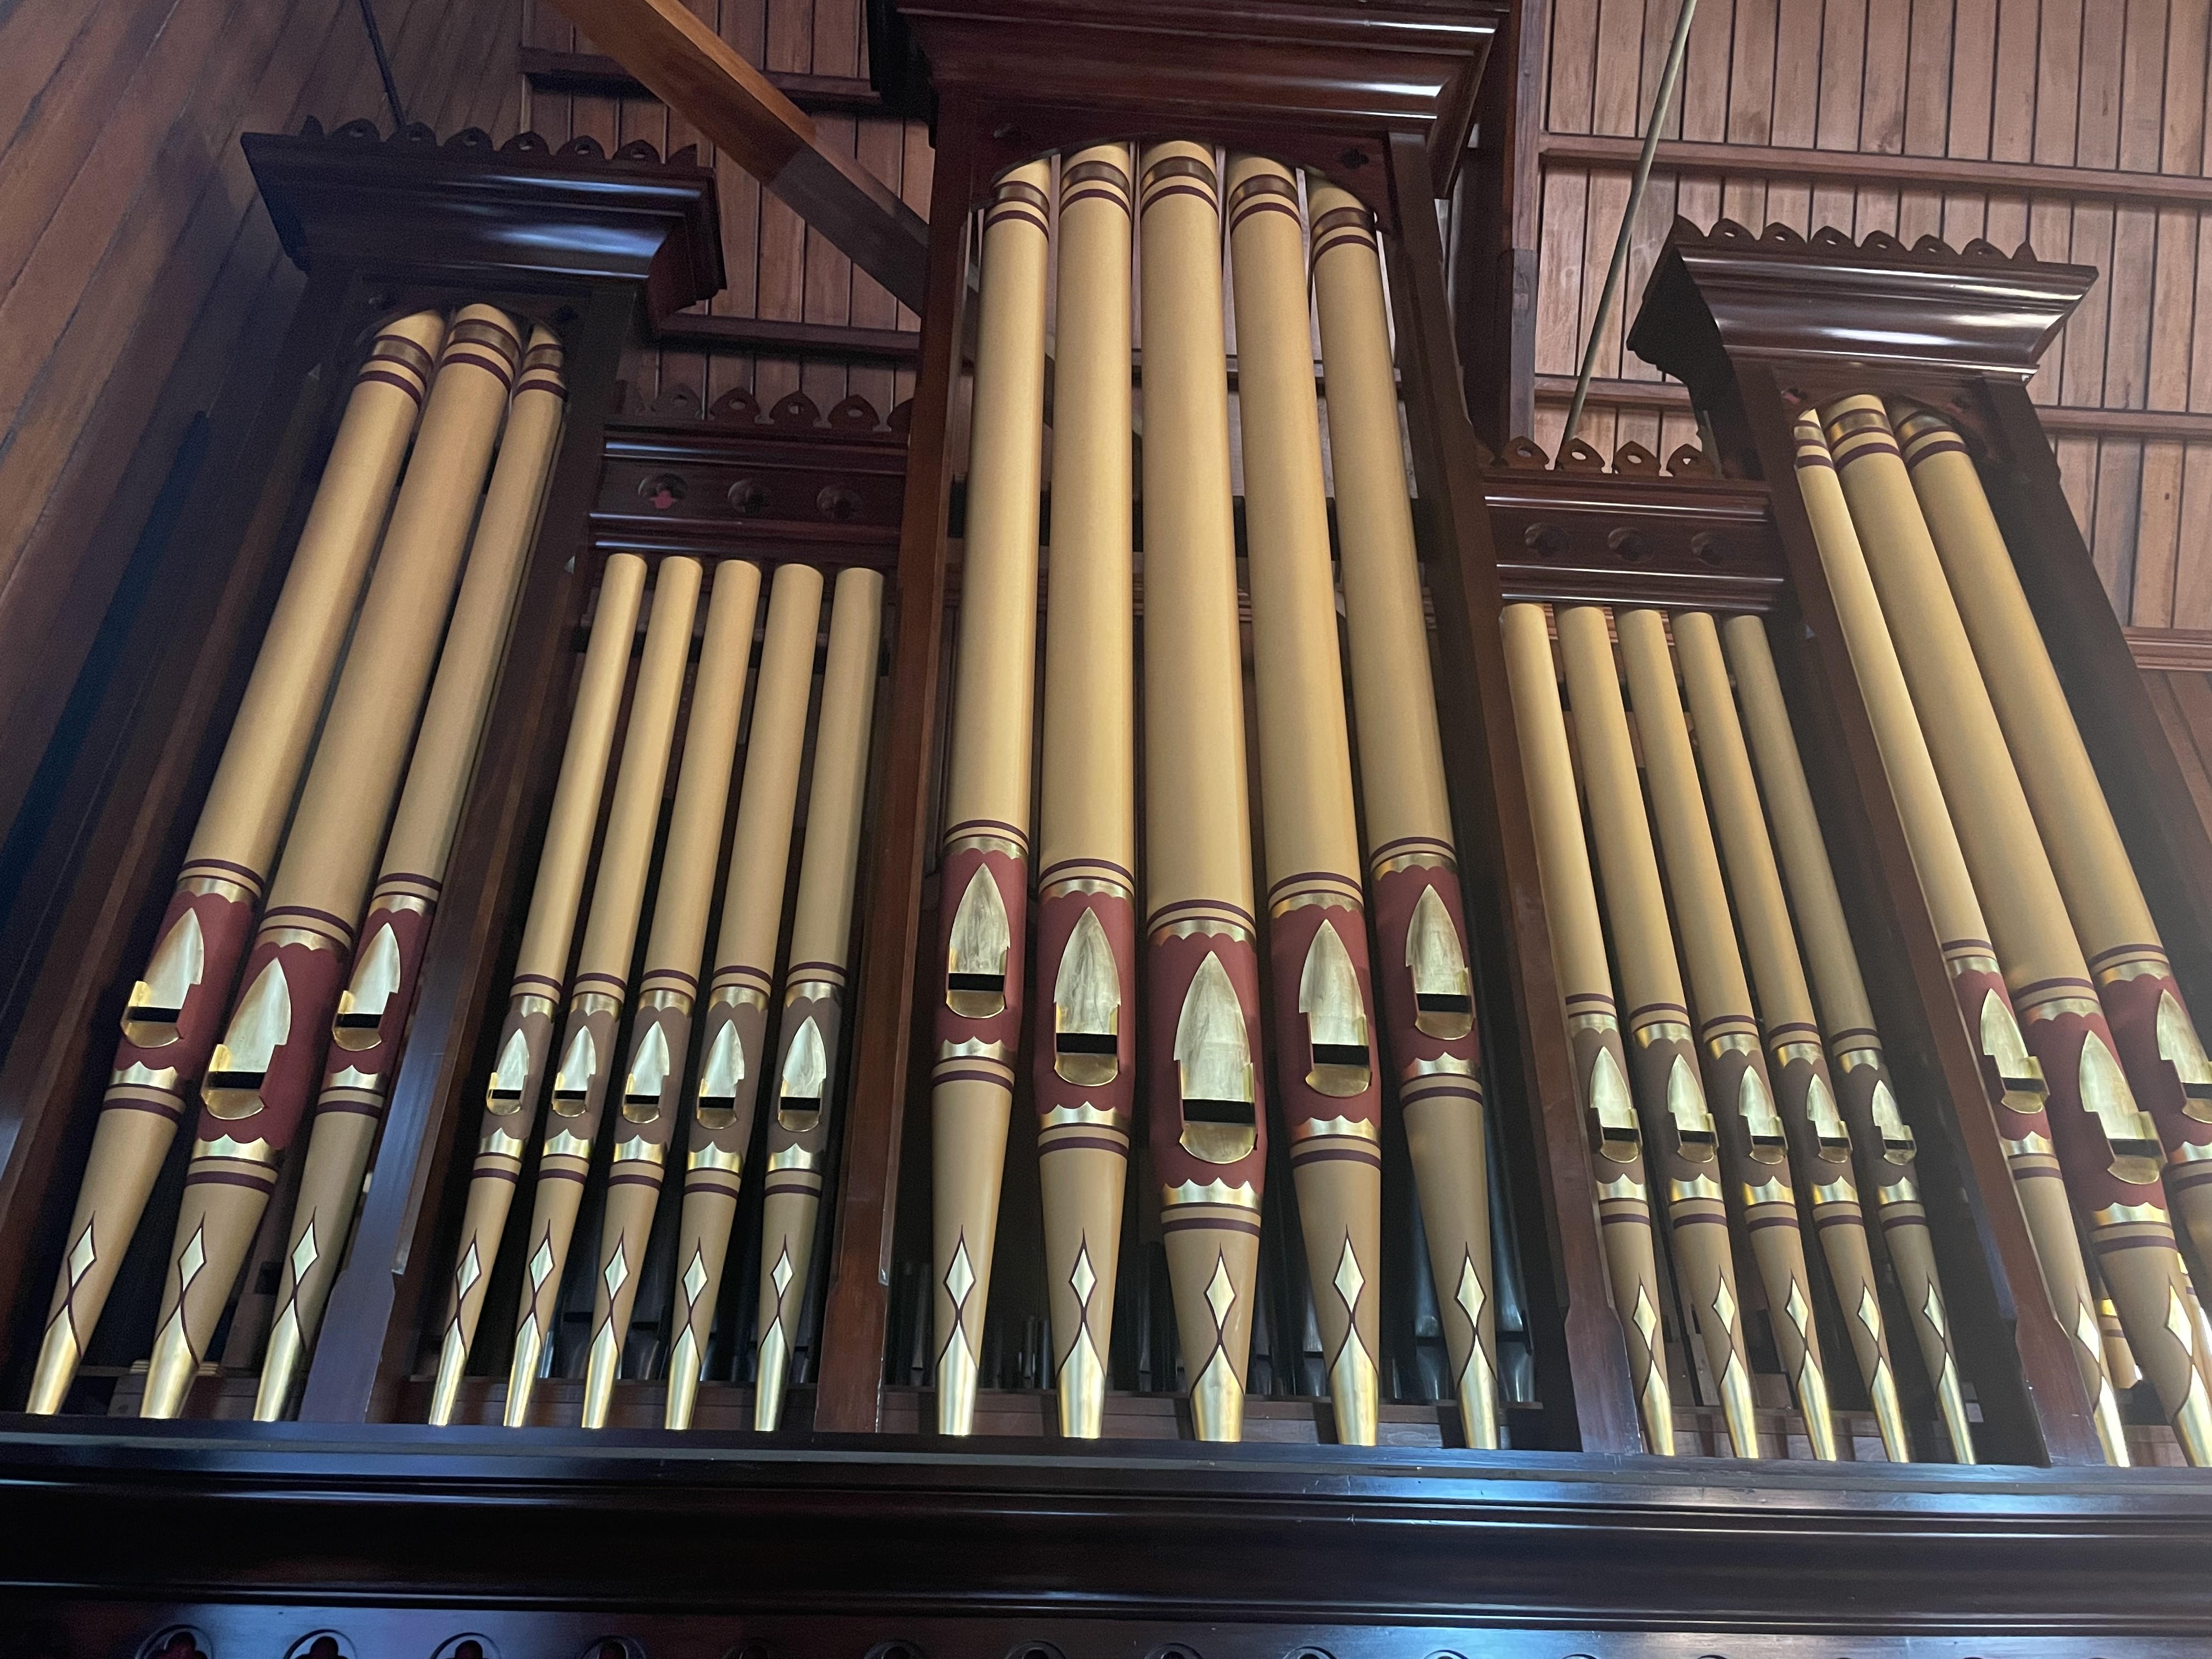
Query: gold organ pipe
1585	975
171	1019
371	1021
2107	1144
2012	1077
1754	1139
1208	1136
2158	1046
1886	1148
733	1045
526	1037
1819	1138
984	879
1662	1059
814	984
1427	989
652	1086
263	1073
600	989
1329	1092
1085	1023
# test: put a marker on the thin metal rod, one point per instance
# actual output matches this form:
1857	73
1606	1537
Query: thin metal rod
1660	104
384	68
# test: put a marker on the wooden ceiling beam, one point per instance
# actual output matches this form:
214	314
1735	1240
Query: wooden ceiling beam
739	111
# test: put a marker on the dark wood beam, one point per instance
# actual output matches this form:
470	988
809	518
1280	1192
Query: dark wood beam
2059	420
1902	171
589	73
774	337
742	113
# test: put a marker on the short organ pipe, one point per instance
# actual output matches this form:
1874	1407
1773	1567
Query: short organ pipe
1888	1150
526	1037
1819	1138
599	993
1679	1129
652	1086
1755	1140
805	1081
733	1036
1593	1020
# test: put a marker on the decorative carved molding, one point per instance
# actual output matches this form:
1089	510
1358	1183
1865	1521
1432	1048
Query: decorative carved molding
1631	533
788	482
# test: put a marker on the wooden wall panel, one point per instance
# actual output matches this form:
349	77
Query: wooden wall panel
2104	101
778	267
141	284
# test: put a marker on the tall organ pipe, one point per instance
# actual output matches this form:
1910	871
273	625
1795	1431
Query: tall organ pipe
2012	1078
1424	985
171	1019
1329	1094
2159	1048
985	876
369	1029
264	1072
1085	1024
1208	1129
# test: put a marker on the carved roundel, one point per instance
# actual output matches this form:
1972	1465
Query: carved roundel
321	1644
661	491
176	1641
748	498
839	503
614	1647
894	1651
1034	1650
468	1645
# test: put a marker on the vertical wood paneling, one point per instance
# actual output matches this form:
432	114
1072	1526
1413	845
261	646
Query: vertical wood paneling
140	283
2091	84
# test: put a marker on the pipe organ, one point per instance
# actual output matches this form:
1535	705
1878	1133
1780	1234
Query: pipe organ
728	967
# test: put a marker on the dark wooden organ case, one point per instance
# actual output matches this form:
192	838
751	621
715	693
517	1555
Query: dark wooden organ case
358	1531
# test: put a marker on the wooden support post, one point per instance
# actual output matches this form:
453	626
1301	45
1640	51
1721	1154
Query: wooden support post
1589	1401
849	1365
